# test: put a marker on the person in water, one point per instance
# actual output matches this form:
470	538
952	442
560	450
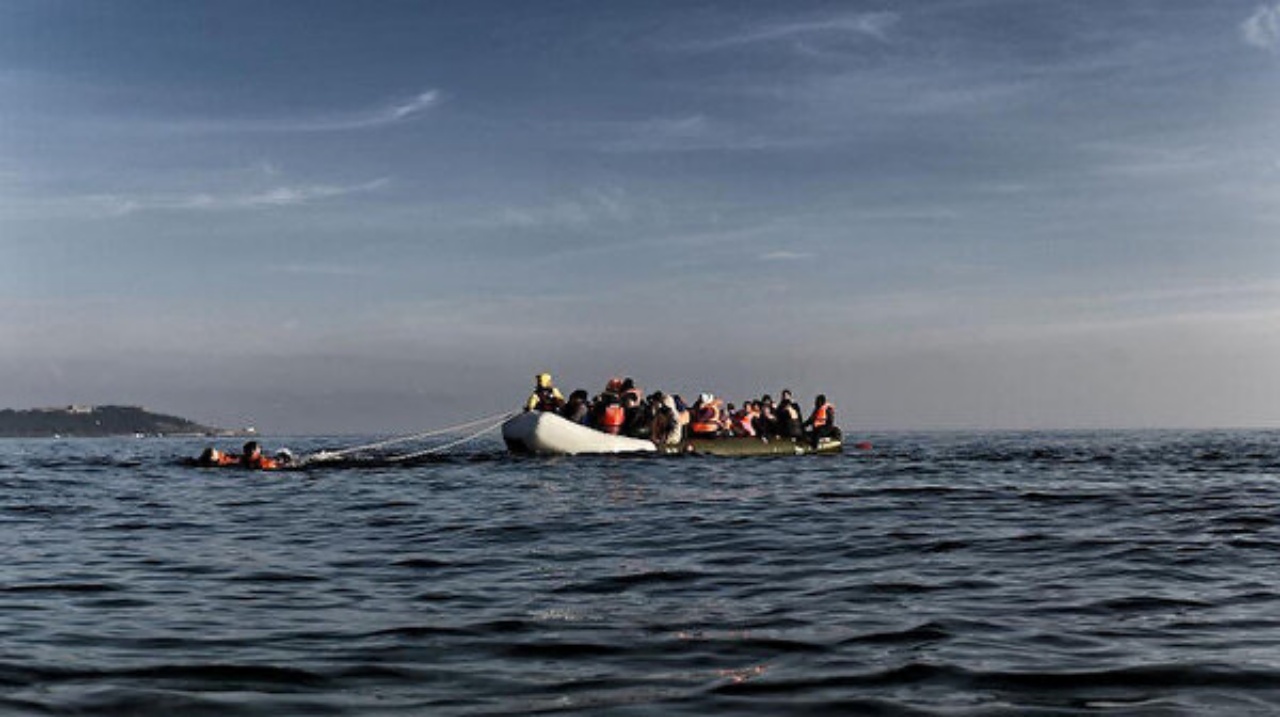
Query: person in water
545	396
252	458
213	457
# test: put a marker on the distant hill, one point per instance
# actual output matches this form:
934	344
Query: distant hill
95	421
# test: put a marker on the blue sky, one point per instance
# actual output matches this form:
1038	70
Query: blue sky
324	216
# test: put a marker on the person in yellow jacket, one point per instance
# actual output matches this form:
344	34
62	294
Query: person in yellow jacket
545	396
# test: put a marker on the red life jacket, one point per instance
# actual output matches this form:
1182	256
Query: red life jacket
612	418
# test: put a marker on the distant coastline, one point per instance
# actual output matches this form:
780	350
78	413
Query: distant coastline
99	422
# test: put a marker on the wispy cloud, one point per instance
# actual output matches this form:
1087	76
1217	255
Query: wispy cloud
330	270
1262	29
589	208
281	196
394	112
873	25
390	113
1147	160
691	133
784	255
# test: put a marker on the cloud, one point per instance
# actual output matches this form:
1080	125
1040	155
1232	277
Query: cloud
1262	29
390	114
395	113
589	208
384	115
785	256
874	25
282	196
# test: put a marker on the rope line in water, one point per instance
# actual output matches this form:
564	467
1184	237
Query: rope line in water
321	456
452	444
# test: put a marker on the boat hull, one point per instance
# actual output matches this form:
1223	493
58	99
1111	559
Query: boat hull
746	446
540	433
536	432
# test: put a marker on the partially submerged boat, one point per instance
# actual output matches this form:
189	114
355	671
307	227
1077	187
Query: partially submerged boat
751	446
546	433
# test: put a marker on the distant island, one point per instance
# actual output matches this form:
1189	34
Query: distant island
97	421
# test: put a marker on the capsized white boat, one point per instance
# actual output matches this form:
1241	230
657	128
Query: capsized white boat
545	432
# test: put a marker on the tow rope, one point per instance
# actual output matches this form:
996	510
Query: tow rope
491	422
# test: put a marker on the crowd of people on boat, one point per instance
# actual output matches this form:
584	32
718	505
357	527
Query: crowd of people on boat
622	408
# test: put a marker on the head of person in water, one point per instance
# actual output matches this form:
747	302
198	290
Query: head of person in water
252	450
209	456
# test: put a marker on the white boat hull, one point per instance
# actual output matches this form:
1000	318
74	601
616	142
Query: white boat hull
549	433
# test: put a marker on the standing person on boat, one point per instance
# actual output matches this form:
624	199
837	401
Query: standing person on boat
545	396
789	423
822	422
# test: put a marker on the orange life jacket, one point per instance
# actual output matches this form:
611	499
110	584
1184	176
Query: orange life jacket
707	420
227	459
612	418
821	415
261	463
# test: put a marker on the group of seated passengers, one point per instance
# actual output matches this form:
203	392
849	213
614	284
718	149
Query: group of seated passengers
623	409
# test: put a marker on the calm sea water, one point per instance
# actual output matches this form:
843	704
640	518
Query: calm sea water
1005	574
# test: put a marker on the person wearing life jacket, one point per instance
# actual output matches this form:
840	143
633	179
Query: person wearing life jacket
822	422
254	460
545	396
705	421
609	414
216	458
744	421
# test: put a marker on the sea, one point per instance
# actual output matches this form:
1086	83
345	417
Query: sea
1074	573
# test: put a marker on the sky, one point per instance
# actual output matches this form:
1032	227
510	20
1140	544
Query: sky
343	217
